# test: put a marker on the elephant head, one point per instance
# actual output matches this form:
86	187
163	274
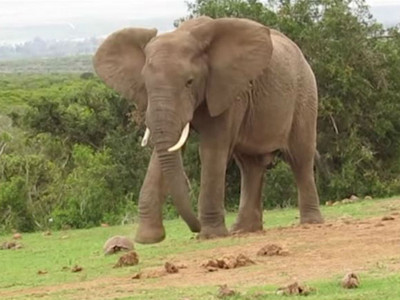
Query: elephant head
170	75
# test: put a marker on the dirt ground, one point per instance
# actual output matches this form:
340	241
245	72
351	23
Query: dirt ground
313	252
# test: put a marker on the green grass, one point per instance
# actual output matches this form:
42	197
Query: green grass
84	247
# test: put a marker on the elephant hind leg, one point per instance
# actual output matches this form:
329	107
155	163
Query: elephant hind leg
300	156
252	169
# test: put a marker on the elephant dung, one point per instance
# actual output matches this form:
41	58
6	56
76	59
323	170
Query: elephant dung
387	218
225	291
350	281
228	262
272	250
129	259
11	246
171	268
295	289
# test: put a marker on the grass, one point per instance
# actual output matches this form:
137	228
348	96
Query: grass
84	247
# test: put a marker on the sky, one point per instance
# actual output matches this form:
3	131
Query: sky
21	19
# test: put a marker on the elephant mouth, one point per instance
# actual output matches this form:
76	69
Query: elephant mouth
177	146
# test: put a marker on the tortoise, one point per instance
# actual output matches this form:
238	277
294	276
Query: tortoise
117	243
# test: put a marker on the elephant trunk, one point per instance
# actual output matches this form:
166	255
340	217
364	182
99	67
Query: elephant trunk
165	131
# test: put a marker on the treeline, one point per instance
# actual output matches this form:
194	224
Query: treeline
72	156
39	47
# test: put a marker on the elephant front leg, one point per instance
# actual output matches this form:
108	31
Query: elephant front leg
250	208
151	198
212	191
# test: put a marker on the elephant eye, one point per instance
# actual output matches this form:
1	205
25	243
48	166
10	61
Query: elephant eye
189	82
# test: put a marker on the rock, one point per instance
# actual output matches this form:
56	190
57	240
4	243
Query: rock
367	198
116	244
329	203
350	281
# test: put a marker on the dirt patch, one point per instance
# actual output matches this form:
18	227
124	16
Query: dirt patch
318	251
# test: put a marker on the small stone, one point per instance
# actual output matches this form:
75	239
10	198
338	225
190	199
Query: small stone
336	203
367	198
329	203
350	281
346	201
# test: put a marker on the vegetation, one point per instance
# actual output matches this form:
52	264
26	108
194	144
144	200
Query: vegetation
72	155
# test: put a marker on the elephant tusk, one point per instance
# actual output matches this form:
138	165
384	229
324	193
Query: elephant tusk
145	137
182	139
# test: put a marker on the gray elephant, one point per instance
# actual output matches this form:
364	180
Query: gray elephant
246	89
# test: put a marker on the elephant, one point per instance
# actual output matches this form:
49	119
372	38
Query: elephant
246	89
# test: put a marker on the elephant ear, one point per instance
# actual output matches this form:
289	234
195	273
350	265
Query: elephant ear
238	51
119	62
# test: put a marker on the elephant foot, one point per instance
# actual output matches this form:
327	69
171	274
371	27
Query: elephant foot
147	234
311	218
211	232
246	226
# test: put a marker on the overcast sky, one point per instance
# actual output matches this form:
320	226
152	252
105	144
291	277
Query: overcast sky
15	14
